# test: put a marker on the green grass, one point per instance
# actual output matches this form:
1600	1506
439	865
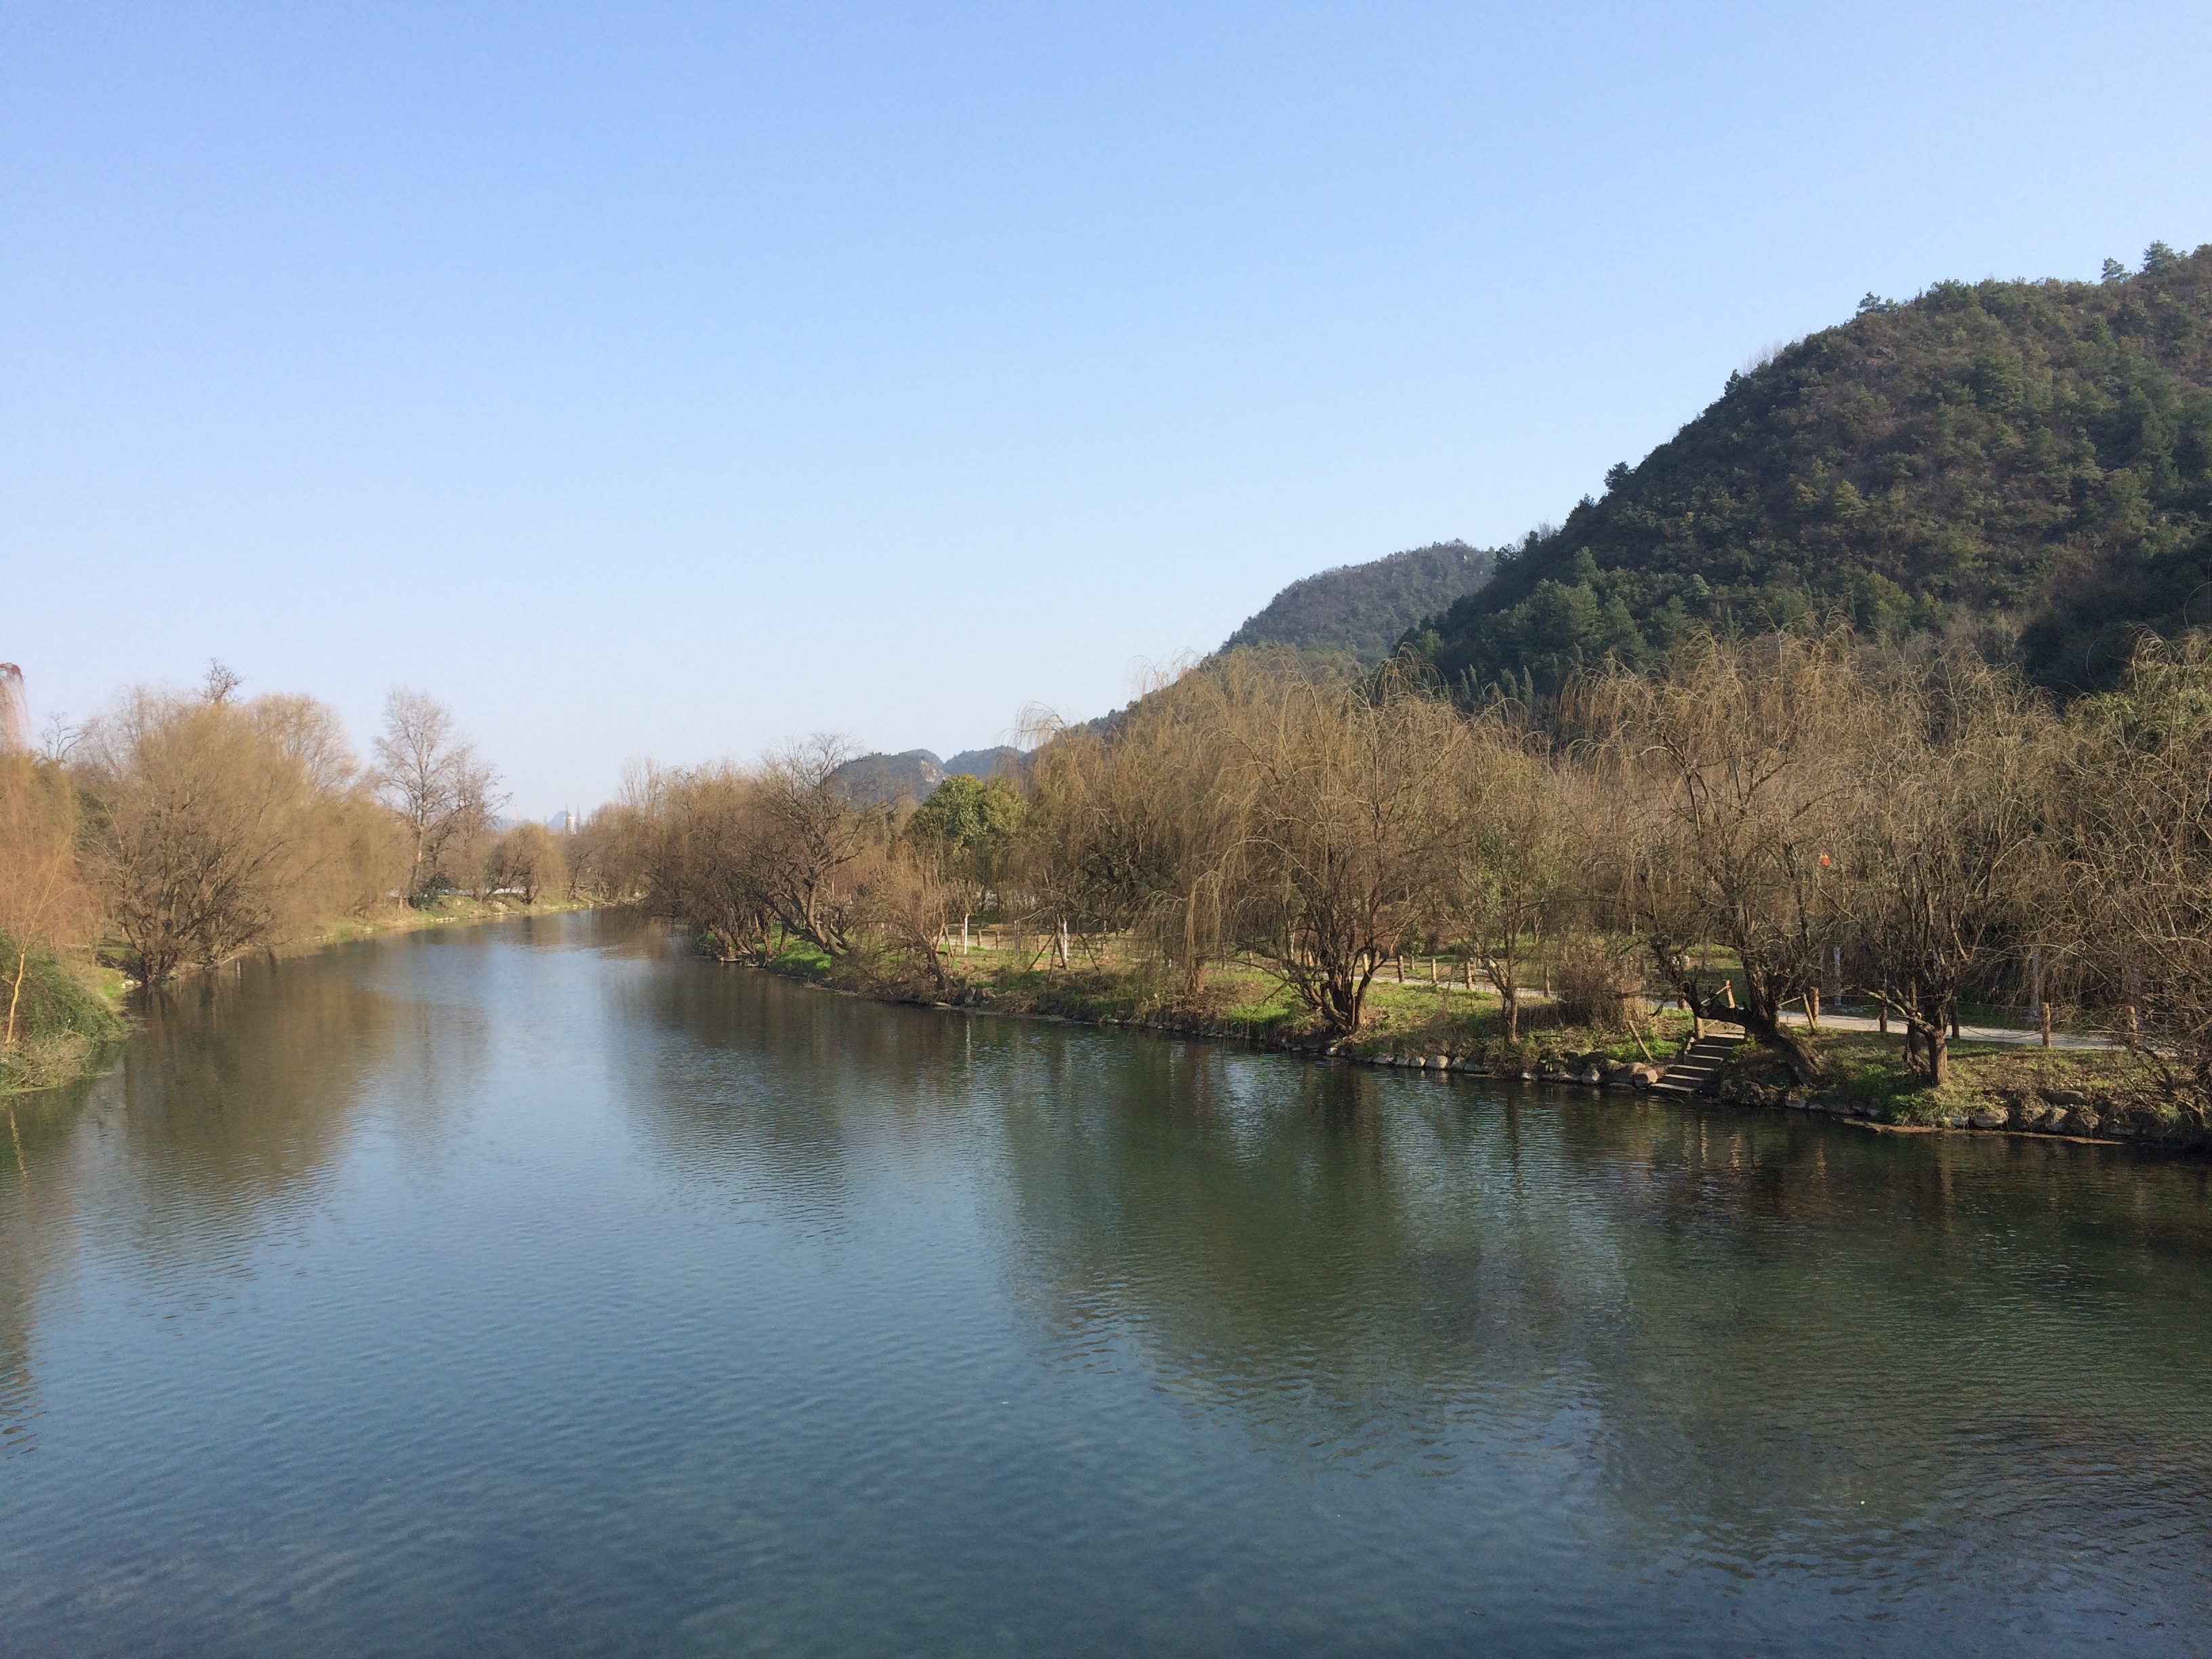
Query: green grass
452	908
66	1019
1869	1070
1241	1000
1417	1017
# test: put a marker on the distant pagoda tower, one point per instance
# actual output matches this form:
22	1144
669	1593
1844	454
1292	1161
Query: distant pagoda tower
15	713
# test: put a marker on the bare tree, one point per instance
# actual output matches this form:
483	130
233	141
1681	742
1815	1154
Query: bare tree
1144	830
524	861
1508	872
2135	833
311	734
1943	839
435	780
58	738
606	855
700	855
43	902
1347	827
203	837
1737	761
906	900
812	829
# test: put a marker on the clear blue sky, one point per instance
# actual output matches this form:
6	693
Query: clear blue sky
656	380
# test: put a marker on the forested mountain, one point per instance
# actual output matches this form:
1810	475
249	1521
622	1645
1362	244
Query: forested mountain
873	780
2030	462
1360	610
984	764
879	778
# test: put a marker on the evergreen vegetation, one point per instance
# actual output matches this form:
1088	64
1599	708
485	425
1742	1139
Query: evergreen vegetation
1358	610
2027	464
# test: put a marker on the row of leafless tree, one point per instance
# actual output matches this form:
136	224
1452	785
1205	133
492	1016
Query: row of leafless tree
1762	823
177	830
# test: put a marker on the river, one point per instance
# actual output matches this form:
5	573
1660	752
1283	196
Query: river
540	1289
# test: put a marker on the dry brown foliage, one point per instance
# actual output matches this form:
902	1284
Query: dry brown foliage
442	790
218	825
525	860
1145	832
2133	891
1734	769
1942	847
1351	789
44	901
1509	875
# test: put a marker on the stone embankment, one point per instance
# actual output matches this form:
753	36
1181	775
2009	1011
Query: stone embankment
1698	1072
2073	1114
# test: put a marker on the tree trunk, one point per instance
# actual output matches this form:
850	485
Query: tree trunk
22	965
1761	1017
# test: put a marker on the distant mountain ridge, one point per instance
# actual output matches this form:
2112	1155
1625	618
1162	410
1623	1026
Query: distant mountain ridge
1005	761
1359	611
877	780
2029	463
1354	612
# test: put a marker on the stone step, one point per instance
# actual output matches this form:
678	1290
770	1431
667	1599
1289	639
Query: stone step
1697	1065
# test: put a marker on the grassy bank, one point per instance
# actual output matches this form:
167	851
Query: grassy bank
452	910
68	1014
2100	1094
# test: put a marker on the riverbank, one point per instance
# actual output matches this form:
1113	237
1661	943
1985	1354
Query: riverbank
1418	1024
80	1011
67	1017
409	919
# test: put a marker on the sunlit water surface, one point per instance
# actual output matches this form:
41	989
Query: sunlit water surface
538	1289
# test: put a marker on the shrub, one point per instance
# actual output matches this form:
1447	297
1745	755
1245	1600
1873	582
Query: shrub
1593	978
58	1020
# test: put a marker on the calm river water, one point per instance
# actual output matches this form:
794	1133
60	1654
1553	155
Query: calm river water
537	1289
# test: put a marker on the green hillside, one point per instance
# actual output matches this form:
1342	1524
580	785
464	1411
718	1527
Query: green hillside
2030	462
1361	610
